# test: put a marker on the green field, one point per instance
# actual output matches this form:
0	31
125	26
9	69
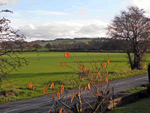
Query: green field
46	67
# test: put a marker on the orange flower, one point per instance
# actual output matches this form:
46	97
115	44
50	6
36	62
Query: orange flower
72	97
85	68
46	88
62	88
60	111
43	92
106	80
89	86
30	85
98	73
33	87
91	62
58	94
52	85
107	61
101	64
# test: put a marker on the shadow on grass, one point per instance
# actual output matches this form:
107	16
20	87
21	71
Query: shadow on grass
24	75
28	75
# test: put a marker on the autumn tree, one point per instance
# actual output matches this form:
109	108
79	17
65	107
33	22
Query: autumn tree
7	37
133	28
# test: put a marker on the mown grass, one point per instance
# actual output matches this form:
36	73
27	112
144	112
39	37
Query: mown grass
136	89
44	67
141	106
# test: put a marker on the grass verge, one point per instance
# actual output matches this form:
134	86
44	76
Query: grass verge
141	106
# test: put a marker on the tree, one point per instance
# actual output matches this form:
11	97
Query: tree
37	46
7	36
133	28
48	46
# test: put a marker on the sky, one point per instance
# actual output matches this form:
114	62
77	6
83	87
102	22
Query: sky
51	19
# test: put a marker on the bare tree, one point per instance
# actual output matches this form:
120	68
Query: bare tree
133	28
8	36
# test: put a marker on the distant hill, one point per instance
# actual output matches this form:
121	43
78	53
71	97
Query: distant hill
67	40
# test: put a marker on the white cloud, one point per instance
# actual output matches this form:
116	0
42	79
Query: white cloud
9	3
144	4
42	12
7	14
64	29
82	11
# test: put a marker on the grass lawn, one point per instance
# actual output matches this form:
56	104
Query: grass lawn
136	89
141	106
45	68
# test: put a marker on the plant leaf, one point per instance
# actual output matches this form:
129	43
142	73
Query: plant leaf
91	62
30	85
65	54
58	94
60	111
52	96
72	97
62	88
98	73
104	65
79	86
43	91
107	73
46	87
68	54
106	80
81	68
79	93
33	87
85	69
107	61
63	64
52	85
81	90
89	86
85	88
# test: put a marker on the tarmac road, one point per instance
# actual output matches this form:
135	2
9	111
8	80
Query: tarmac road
42	104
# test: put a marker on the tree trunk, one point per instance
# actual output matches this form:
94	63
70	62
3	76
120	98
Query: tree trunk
130	60
137	58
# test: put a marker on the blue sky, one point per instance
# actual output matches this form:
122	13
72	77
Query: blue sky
51	19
